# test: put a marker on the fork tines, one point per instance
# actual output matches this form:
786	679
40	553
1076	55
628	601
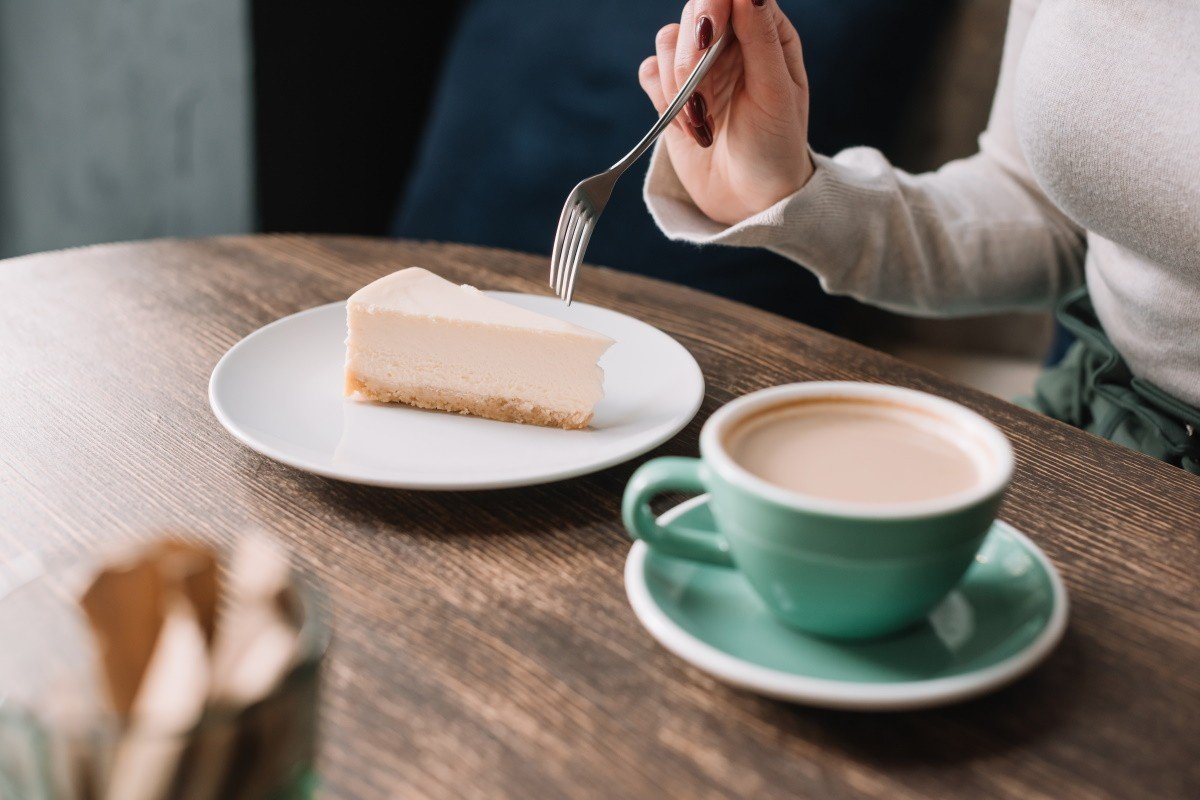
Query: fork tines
575	226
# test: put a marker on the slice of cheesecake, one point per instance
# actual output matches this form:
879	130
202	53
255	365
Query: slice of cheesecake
418	339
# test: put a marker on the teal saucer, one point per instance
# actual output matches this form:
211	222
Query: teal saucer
1006	616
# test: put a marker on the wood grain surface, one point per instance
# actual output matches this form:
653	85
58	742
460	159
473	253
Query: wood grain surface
484	647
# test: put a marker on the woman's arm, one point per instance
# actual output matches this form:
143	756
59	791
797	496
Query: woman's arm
976	235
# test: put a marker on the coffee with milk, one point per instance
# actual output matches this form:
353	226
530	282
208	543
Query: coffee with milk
855	450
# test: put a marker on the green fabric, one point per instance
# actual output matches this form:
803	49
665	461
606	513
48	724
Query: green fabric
1093	389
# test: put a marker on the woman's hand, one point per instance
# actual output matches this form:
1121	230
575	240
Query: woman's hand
741	143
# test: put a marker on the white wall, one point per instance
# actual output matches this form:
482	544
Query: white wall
123	119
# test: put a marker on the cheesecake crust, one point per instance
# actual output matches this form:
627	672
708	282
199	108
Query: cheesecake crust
490	407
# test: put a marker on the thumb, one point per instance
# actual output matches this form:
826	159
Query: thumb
756	24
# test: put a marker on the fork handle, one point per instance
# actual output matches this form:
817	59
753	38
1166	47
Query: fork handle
706	61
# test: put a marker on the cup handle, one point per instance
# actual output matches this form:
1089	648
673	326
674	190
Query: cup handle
664	475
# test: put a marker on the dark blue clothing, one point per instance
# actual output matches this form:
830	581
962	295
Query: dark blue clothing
536	95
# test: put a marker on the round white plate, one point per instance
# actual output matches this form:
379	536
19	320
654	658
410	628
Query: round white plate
279	391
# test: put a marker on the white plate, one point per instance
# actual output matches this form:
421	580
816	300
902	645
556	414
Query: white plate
279	391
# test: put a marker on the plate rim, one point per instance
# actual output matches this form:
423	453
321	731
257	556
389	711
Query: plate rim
238	433
826	693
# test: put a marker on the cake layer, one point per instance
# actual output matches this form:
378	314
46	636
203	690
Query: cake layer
415	338
498	408
554	371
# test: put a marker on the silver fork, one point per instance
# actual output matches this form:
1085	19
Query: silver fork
586	201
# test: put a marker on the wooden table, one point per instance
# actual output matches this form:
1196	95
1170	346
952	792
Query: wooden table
484	644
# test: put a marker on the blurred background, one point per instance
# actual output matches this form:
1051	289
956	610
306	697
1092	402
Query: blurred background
464	121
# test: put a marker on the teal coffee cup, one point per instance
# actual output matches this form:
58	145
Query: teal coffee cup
834	567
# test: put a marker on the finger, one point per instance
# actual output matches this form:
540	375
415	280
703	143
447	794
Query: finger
687	55
694	118
793	51
707	19
685	48
763	66
664	45
716	12
699	121
664	50
651	85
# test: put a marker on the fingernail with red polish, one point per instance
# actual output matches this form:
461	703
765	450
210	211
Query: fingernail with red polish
696	110
704	133
704	33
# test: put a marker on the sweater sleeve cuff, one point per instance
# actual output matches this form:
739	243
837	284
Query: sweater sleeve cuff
678	217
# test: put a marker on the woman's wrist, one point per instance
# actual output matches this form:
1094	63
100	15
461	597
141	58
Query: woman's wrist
804	173
767	195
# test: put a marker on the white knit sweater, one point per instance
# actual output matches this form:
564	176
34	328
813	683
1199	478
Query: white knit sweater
1090	166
